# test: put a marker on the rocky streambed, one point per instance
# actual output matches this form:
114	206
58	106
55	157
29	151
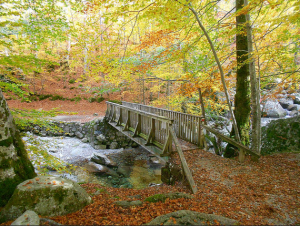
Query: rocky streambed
71	158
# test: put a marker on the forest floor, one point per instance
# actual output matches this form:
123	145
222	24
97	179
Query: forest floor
254	193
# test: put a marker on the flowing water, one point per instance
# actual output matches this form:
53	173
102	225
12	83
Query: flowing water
70	158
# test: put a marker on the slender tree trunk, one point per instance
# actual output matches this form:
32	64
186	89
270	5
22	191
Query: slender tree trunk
220	69
242	98
255	91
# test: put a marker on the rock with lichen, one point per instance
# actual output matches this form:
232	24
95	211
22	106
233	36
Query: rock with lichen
15	166
47	196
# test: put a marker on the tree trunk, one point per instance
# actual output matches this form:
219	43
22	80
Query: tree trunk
242	98
255	91
15	166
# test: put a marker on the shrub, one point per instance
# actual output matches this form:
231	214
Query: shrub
76	99
43	97
99	99
92	99
57	97
72	81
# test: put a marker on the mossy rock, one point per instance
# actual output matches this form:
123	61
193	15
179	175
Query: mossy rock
281	135
163	197
187	217
47	196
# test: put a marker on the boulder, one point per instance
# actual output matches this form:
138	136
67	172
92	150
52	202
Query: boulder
47	196
297	98
187	217
79	135
27	218
99	169
285	102
293	113
113	145
281	135
273	109
85	140
101	138
292	107
102	159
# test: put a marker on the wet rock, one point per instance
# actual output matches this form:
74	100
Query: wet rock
273	109
102	160
292	107
85	140
101	138
79	135
285	102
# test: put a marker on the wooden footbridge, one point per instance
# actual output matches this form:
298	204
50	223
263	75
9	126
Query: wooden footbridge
158	130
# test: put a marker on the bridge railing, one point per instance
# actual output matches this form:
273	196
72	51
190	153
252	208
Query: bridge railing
151	127
187	127
148	130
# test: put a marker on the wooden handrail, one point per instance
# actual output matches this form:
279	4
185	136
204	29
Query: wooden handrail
161	118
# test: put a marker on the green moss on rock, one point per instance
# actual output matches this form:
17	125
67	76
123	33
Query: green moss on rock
163	197
281	135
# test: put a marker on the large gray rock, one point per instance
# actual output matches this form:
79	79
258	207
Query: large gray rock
47	196
285	102
187	217
281	135
102	160
99	169
273	109
296	98
79	135
27	218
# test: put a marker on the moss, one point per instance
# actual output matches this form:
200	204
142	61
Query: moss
23	169
163	197
7	142
60	195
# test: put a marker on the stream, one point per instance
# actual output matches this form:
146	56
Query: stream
71	158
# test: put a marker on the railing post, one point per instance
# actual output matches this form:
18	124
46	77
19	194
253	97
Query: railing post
127	124
120	118
151	134
137	130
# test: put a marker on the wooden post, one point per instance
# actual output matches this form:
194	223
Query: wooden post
151	134
119	122
127	124
138	126
185	167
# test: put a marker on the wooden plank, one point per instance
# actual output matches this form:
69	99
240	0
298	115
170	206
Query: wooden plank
185	167
231	141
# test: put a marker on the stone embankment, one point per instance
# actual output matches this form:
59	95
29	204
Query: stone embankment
98	133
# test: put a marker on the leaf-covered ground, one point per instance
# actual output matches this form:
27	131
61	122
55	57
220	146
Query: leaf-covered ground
266	192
